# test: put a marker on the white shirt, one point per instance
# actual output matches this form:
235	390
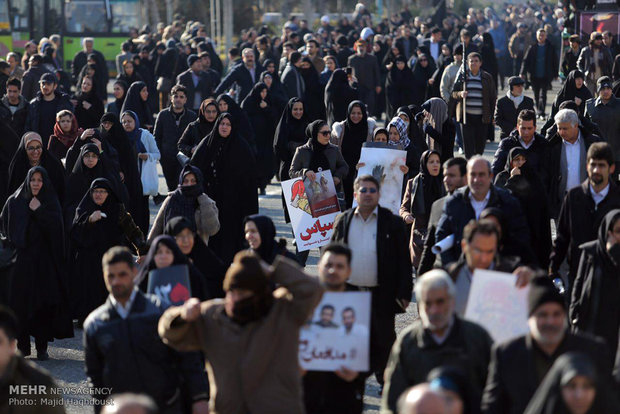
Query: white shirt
356	330
123	311
363	244
524	145
478	206
598	197
573	155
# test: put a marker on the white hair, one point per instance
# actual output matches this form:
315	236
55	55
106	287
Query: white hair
432	280
566	115
247	51
87	39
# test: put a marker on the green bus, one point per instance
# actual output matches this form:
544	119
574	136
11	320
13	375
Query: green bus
107	21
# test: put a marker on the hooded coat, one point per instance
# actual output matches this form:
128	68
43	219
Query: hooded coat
313	97
38	292
569	92
229	170
290	134
88	118
269	247
399	87
133	102
197	130
338	96
242	121
421	75
90	240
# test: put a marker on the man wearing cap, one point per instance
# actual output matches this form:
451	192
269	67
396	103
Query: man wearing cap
520	41
605	112
571	54
508	107
250	339
595	61
366	70
44	107
242	77
539	68
519	365
197	83
439	337
81	59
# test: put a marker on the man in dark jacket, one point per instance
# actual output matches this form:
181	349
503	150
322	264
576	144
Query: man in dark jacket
366	69
454	177
30	81
169	126
81	59
510	106
518	366
16	372
242	76
123	350
439	337
605	112
196	82
567	157
525	137
43	109
381	264
467	203
16	107
583	209
291	77
540	67
343	51
571	54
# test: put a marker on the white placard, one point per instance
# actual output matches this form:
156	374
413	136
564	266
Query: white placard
384	164
338	334
313	207
497	304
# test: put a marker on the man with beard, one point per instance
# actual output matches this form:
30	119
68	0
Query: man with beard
519	365
365	68
438	338
583	209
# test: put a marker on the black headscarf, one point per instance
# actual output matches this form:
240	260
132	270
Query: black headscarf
319	160
289	130
397	77
607	225
81	168
338	96
251	103
184	200
110	206
133	102
242	121
269	247
569	92
432	187
119	102
354	135
548	397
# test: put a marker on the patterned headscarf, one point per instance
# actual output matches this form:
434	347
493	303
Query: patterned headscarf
401	127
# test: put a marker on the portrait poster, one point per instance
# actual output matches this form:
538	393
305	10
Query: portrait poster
338	333
313	207
384	164
497	304
598	22
170	284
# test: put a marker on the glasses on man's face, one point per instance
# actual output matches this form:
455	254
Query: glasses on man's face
370	190
33	149
324	133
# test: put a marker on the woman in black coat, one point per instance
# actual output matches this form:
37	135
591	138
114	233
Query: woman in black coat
242	123
574	89
338	95
423	70
98	85
260	233
99	223
120	92
279	96
137	101
290	134
399	86
525	184
198	253
229	170
163	253
31	153
197	130
313	98
489	59
438	128
261	112
32	223
129	75
88	107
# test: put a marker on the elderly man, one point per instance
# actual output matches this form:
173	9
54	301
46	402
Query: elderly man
241	77
251	339
567	157
421	399
518	366
439	337
81	59
467	203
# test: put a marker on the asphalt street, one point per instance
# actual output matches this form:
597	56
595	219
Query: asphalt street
66	361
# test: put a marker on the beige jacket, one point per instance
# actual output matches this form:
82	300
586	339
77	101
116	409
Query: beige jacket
252	368
207	221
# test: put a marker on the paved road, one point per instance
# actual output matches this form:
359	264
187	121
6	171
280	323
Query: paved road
66	361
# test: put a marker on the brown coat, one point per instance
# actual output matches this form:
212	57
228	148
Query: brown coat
23	373
253	367
489	96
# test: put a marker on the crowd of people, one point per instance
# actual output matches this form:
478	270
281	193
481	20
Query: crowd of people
78	169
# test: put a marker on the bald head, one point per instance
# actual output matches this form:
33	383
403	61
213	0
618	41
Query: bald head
422	400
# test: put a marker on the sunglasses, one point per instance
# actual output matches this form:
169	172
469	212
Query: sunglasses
324	133
365	190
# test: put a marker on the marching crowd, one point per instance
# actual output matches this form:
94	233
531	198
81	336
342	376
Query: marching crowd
78	170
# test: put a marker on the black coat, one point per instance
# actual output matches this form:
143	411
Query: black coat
512	378
399	89
338	95
578	223
8	145
239	76
88	118
16	120
290	134
61	101
393	260
167	133
204	87
506	114
529	63
192	136
537	154
30	81
128	356
81	59
429	260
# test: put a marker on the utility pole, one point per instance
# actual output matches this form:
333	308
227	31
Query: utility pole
228	23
